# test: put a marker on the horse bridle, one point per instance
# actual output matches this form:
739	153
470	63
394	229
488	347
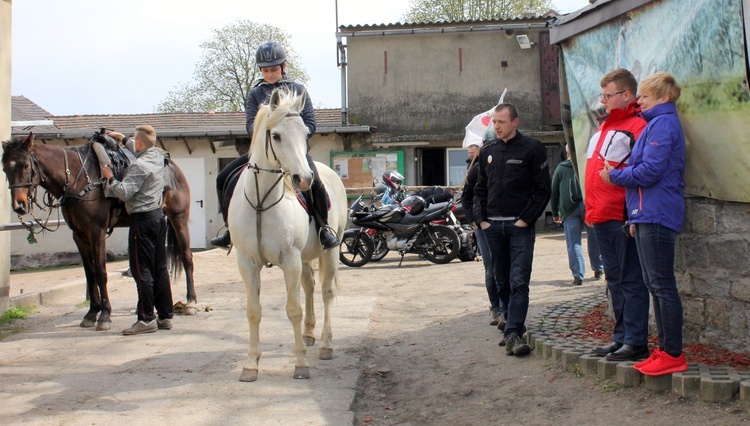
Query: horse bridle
259	208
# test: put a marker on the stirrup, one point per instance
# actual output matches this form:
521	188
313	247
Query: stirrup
332	233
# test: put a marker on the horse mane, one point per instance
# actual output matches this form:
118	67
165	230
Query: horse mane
10	146
267	119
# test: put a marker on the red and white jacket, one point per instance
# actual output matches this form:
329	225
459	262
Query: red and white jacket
612	141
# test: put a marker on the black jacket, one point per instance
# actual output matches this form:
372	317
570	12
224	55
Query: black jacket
513	180
261	94
467	196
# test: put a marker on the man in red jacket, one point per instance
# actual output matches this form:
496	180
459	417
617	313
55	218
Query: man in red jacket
605	211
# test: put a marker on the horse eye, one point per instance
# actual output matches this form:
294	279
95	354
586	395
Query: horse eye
276	137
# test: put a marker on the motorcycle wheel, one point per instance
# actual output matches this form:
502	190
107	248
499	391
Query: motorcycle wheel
442	246
356	248
381	248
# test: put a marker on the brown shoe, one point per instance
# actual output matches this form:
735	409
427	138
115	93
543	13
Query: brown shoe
493	315
140	327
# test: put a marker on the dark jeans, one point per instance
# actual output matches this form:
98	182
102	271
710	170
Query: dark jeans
656	247
148	264
493	292
625	282
512	250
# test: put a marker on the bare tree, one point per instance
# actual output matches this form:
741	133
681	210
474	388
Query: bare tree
226	72
468	10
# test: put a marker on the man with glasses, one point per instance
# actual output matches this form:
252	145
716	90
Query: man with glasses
605	211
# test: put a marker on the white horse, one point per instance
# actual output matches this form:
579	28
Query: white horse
270	227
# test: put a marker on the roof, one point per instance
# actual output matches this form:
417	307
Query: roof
215	124
567	26
23	109
438	24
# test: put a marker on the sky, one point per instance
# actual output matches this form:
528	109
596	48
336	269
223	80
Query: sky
78	57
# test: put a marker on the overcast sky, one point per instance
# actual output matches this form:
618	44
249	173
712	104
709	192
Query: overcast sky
105	57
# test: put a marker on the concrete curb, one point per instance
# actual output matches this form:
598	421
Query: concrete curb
55	293
551	334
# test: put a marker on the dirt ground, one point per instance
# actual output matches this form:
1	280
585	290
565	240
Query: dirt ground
412	346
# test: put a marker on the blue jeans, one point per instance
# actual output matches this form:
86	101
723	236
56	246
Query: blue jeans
656	246
573	225
512	250
625	283
493	291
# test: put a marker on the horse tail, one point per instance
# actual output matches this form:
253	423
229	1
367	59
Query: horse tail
174	263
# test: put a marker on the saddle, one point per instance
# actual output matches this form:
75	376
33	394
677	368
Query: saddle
234	177
119	158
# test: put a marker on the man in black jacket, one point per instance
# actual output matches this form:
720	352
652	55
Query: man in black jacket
512	191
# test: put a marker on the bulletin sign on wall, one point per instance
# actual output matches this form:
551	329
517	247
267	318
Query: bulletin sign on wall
359	169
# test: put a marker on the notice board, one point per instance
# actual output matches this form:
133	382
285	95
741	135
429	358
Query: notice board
359	169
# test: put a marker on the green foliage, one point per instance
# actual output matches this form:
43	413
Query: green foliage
469	10
16	313
226	71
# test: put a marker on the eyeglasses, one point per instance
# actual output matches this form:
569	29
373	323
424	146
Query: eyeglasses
606	96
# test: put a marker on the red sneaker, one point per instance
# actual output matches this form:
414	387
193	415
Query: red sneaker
654	355
665	364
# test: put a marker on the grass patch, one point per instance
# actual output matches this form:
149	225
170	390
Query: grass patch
16	313
84	304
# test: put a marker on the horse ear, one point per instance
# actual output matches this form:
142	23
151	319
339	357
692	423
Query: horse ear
275	97
299	105
26	145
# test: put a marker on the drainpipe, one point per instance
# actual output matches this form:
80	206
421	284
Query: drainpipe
342	65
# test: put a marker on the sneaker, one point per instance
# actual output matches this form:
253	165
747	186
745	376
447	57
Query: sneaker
665	364
598	275
140	327
494	315
514	345
164	324
647	361
577	281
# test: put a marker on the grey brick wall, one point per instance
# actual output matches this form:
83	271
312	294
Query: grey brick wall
712	266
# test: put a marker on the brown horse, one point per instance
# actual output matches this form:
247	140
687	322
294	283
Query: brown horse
72	176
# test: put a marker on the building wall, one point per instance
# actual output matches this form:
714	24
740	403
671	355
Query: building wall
713	254
5	76
423	87
55	248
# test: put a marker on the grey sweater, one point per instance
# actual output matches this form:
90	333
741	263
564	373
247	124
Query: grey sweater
143	184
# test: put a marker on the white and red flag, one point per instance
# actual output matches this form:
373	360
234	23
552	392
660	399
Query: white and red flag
478	126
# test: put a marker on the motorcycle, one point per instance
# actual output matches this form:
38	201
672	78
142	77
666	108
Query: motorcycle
395	228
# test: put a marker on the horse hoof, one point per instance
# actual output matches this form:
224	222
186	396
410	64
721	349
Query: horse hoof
103	325
309	341
87	323
325	354
301	372
249	375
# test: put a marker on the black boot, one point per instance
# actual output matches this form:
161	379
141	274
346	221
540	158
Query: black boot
320	208
224	240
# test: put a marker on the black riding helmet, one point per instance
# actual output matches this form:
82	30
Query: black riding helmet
270	54
414	204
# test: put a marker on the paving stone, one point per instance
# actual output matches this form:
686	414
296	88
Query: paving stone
589	364
606	369
626	375
745	393
719	389
571	359
688	383
547	348
658	383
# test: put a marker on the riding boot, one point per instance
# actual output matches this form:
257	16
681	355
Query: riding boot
320	209
224	240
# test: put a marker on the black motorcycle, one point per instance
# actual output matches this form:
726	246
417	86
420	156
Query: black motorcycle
401	230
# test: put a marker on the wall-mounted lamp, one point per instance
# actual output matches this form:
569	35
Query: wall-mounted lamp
524	42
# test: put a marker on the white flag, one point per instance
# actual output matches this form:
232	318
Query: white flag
478	126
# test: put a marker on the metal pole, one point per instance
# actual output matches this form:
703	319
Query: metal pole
25	225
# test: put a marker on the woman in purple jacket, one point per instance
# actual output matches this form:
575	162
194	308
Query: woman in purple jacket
654	182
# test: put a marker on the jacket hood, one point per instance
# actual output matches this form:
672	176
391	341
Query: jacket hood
620	113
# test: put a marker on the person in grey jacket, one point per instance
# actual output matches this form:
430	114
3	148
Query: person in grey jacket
141	189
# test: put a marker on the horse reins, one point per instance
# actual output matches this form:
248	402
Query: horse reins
259	208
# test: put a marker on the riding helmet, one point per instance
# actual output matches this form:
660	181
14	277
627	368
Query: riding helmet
414	204
270	54
380	189
393	180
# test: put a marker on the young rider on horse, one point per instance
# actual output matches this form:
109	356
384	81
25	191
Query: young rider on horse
271	59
